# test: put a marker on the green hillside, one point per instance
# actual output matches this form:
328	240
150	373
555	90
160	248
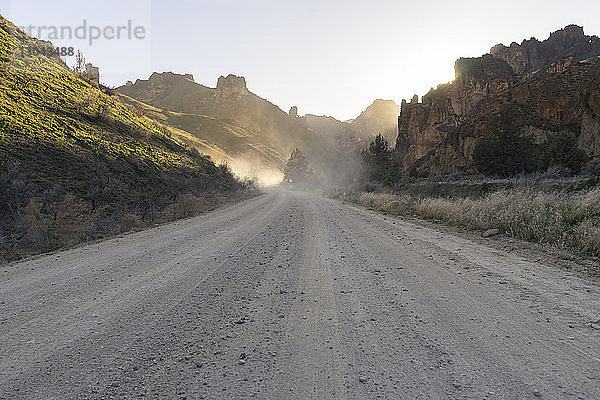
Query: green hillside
228	122
223	140
75	158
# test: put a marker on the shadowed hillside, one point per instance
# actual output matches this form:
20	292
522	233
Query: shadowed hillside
224	140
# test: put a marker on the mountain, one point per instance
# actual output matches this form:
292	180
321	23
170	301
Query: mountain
381	117
554	85
230	100
76	163
230	123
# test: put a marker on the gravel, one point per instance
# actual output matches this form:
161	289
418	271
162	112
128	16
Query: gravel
196	309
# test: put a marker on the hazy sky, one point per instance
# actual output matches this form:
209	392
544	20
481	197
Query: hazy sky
327	57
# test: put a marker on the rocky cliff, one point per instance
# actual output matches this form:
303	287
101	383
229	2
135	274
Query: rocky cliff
532	55
553	84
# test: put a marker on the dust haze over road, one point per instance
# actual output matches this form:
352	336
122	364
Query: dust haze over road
294	296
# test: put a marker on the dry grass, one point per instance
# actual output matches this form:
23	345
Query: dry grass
566	221
387	202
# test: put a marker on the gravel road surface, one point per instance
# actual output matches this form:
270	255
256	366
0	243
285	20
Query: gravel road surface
291	295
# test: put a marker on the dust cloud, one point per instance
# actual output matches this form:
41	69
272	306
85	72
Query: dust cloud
264	176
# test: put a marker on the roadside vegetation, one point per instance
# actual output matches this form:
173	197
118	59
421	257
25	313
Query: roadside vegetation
567	221
546	193
507	150
76	164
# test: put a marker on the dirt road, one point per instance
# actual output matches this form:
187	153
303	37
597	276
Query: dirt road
294	296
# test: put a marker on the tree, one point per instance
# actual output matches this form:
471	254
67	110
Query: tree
79	67
562	149
379	162
297	168
505	151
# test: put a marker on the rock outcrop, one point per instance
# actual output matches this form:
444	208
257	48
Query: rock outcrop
231	85
293	112
532	55
553	84
92	74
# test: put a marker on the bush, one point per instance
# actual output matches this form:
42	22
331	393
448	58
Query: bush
51	224
186	206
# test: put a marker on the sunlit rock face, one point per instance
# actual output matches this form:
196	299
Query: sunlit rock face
231	101
231	85
554	83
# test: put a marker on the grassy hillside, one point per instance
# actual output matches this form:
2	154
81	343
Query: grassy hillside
223	140
76	163
228	122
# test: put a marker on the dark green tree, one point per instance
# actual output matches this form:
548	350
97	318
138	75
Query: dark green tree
297	168
505	150
379	163
562	149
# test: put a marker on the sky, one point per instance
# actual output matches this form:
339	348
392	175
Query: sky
328	57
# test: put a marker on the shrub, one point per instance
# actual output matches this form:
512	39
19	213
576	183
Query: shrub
37	224
190	205
51	224
187	205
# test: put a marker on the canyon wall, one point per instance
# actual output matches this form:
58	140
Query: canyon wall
553	84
